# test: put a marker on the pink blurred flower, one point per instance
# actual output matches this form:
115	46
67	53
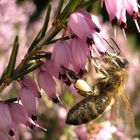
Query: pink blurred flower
61	54
81	132
106	131
47	83
79	54
6	123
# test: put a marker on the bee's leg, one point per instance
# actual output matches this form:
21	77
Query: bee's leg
101	73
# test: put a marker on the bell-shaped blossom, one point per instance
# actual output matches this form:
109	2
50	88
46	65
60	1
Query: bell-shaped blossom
79	54
113	8
100	44
50	68
29	83
20	116
28	100
47	83
3	136
81	24
117	11
61	54
132	8
6	123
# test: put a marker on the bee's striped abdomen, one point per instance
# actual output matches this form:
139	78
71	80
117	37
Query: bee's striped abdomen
87	109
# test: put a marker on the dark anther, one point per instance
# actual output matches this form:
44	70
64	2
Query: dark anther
11	132
135	16
123	25
68	82
34	117
115	21
39	95
31	126
48	55
97	30
59	76
56	100
82	72
90	41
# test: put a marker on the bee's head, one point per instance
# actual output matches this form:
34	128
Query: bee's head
116	61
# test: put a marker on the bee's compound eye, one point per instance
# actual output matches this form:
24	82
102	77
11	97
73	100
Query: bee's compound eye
82	85
122	63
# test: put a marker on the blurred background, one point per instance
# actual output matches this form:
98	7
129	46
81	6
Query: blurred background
25	18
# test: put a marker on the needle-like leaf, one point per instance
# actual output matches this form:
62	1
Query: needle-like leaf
12	60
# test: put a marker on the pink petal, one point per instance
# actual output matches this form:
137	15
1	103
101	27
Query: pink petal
47	83
61	54
131	6
19	113
48	65
6	124
79	53
76	22
30	84
28	100
114	8
99	42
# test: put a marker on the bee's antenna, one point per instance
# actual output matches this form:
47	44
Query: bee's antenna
118	53
109	45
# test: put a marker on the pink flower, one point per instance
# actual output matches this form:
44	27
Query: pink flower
61	54
113	8
47	83
48	65
81	24
100	43
131	6
30	84
27	95
28	100
79	54
106	131
20	116
3	136
81	132
117	11
6	123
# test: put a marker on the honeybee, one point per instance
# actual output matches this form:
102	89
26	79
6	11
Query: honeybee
108	92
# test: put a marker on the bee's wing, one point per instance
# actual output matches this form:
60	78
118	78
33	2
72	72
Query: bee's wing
122	109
